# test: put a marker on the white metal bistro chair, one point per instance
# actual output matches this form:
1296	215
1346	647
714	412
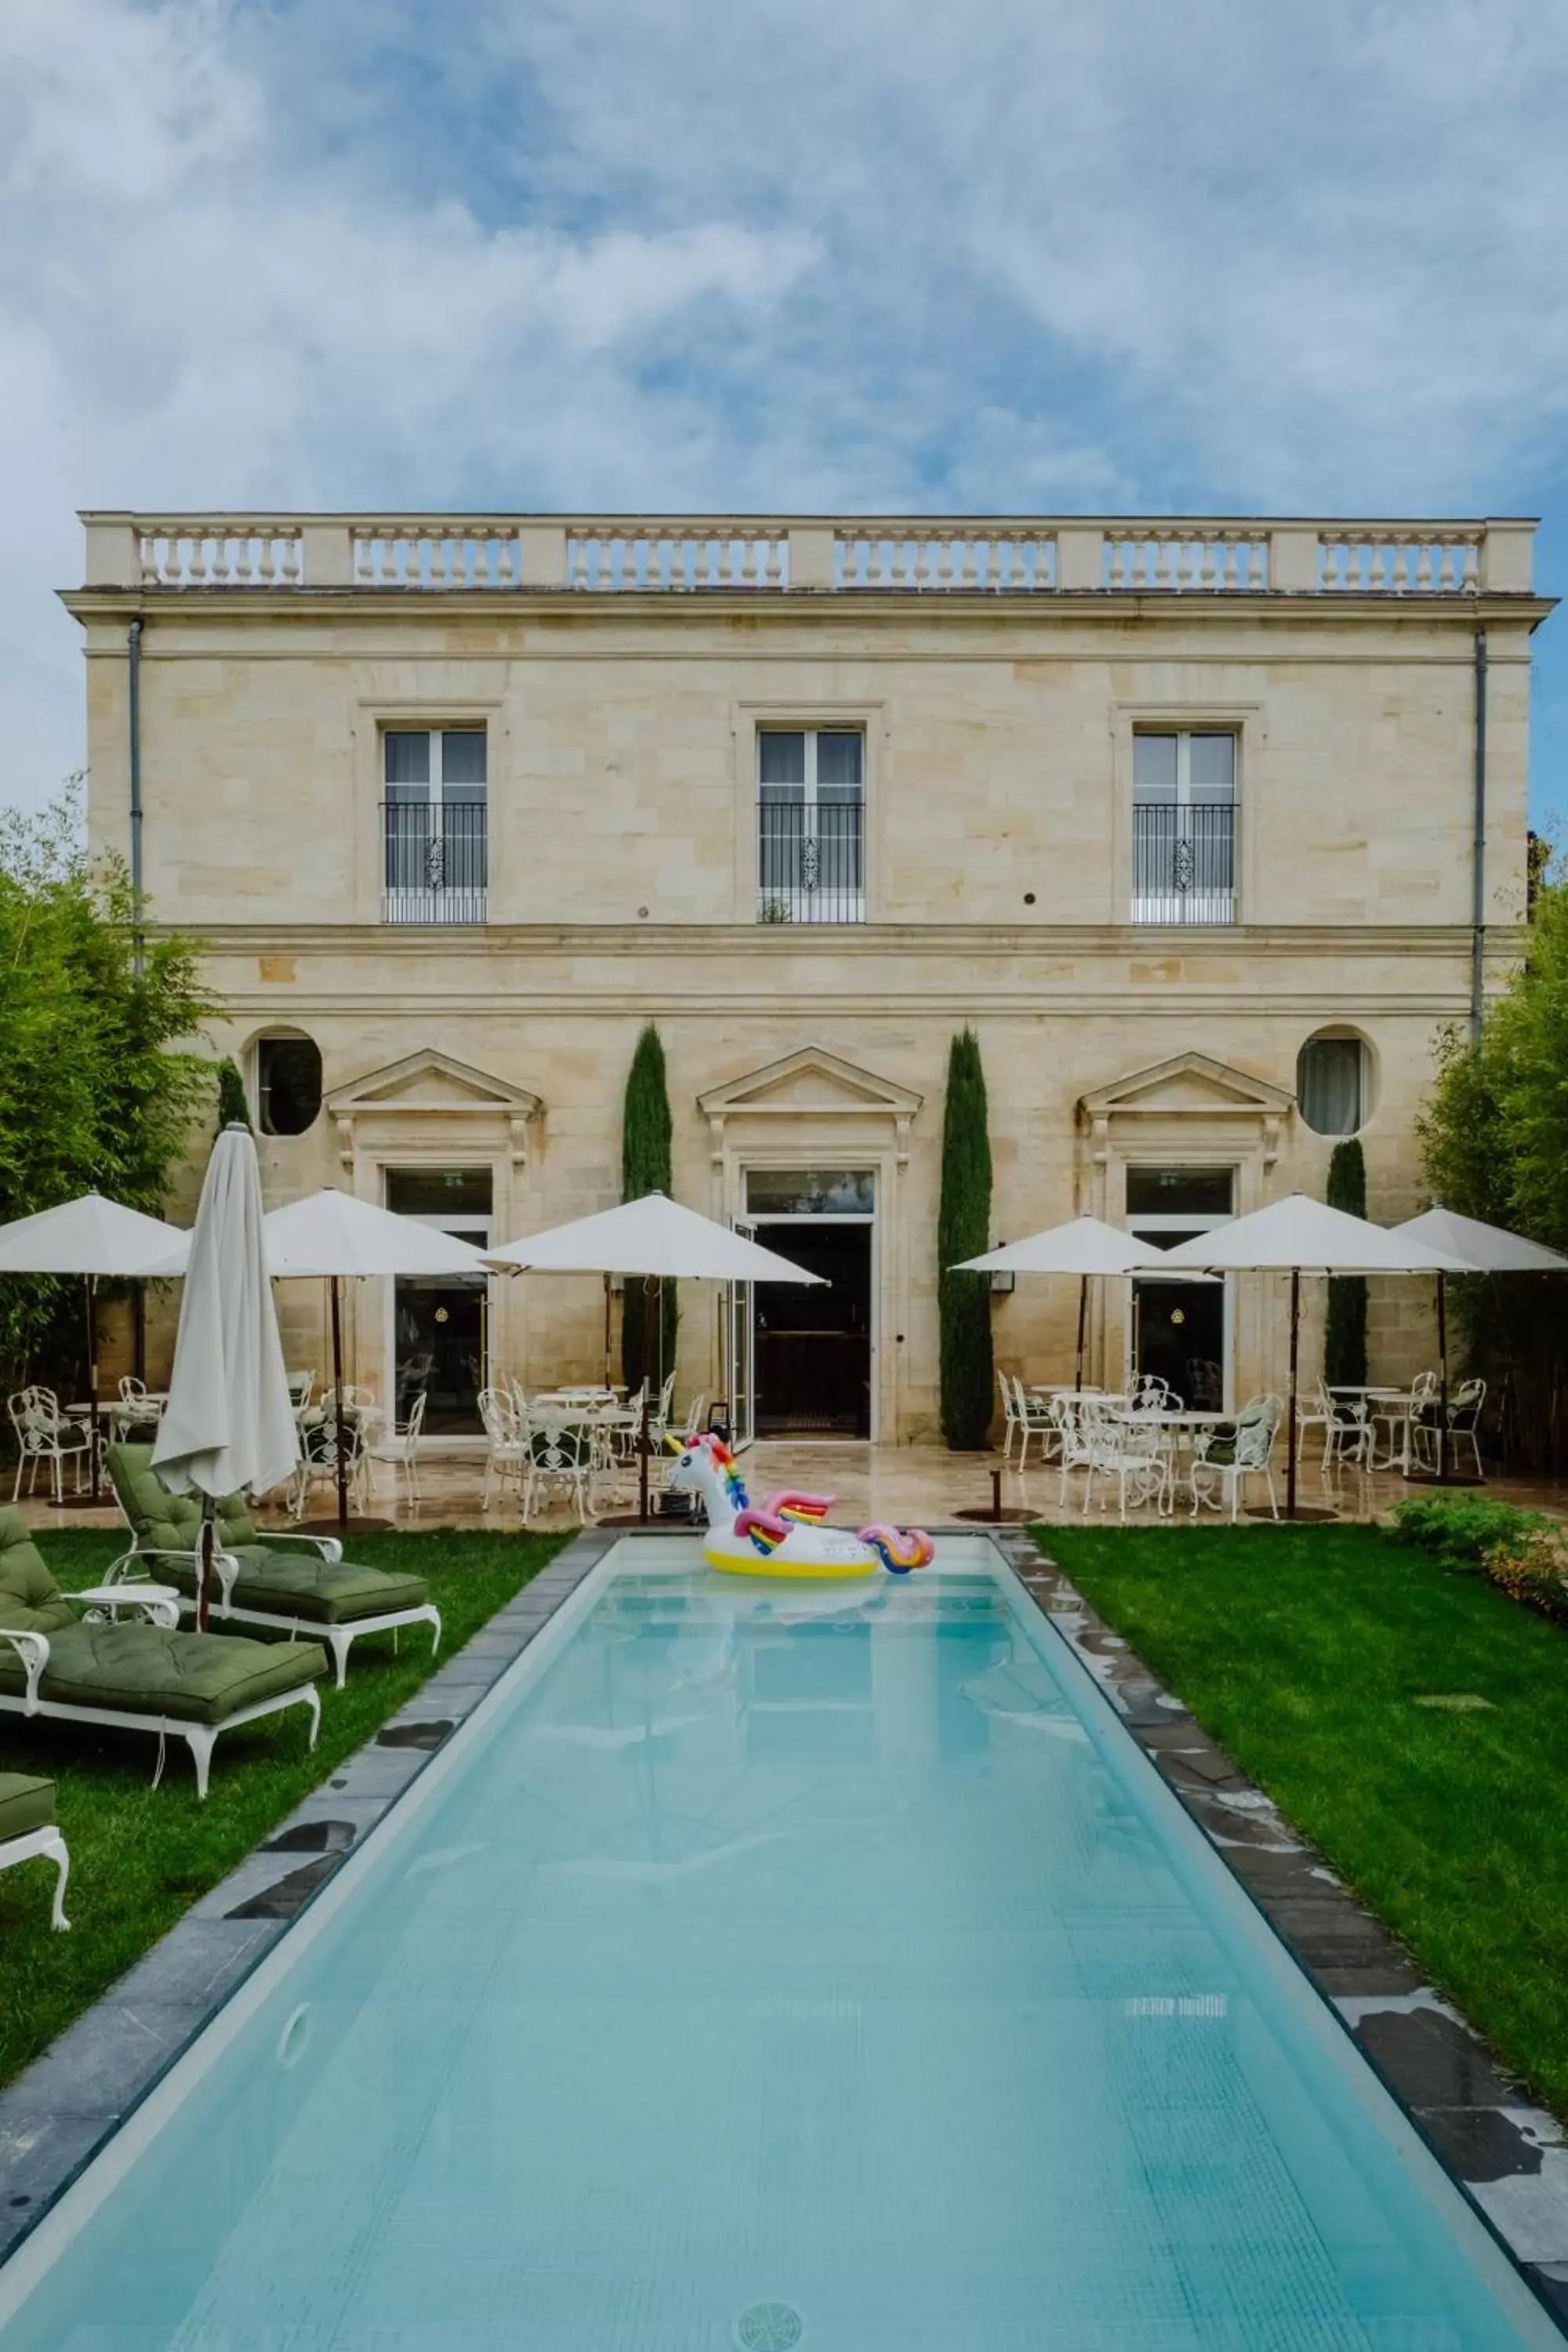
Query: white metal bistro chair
1463	1426
1347	1430
1037	1419
1221	1464
1012	1419
400	1447
558	1454
44	1433
1135	1459
500	1413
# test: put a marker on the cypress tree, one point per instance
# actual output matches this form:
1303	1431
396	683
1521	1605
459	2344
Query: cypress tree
232	1107
1345	1333
646	1133
964	1227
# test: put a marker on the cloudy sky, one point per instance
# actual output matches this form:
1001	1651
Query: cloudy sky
1117	255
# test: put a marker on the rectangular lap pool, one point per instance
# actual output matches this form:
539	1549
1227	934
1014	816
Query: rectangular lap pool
767	1966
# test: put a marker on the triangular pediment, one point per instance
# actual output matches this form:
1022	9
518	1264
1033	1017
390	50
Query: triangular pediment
810	1080
1189	1082
430	1081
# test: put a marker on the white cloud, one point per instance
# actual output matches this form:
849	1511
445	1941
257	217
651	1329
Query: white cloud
867	253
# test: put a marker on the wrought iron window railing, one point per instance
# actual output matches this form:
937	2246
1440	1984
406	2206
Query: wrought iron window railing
811	862
1184	863
434	861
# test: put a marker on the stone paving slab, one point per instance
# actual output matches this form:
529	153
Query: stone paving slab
55	2117
1508	2156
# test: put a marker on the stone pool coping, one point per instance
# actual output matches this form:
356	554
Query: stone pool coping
1508	2156
61	2111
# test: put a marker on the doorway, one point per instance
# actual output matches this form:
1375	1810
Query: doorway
813	1348
440	1323
1180	1331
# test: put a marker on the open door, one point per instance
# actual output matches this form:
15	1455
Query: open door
739	1329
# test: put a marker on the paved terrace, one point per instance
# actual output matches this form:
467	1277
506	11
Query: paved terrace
910	1484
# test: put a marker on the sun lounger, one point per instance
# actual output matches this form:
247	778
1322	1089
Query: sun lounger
298	1584
27	1832
145	1677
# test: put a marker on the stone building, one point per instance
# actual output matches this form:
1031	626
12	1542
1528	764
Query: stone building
1208	828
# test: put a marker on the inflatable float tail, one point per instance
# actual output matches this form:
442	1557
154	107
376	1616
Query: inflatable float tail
899	1549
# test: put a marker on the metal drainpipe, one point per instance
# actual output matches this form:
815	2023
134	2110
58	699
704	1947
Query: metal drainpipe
133	655
1478	910
133	650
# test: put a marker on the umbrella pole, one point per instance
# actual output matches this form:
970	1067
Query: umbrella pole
1083	1314
206	1545
606	1331
1442	1379
1295	1347
90	1286
338	1407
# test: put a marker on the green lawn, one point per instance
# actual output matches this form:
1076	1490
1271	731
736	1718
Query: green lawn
1303	1651
139	1856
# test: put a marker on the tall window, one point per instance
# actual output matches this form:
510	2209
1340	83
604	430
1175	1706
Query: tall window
434	818
811	824
1183	826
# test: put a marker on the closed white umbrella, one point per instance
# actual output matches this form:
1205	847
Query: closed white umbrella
1300	1235
1489	1249
332	1234
656	1238
1087	1245
96	1238
228	1423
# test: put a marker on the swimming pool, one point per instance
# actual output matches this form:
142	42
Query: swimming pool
766	1966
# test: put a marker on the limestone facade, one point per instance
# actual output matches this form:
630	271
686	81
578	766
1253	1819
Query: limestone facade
998	716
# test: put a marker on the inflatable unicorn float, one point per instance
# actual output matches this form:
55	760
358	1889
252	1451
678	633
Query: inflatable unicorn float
789	1536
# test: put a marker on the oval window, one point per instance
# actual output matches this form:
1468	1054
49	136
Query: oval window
1330	1084
288	1084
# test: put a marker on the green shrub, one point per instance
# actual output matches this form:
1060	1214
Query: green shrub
1460	1530
1532	1567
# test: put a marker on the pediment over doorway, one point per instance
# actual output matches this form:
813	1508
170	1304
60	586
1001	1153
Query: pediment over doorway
1188	1082
1189	1100
434	1088
809	1084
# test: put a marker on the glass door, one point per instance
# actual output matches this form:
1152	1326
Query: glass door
739	1364
440	1323
1179	1326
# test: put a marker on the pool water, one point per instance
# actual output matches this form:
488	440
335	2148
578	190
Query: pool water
769	1966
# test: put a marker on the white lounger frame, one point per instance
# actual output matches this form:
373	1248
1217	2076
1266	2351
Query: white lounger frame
46	1845
34	1652
339	1639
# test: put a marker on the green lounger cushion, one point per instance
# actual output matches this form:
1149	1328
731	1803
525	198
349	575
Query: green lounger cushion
131	1668
288	1579
153	1670
327	1592
24	1805
162	1519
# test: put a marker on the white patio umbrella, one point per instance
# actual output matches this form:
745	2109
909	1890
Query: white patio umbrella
97	1238
228	1423
1083	1247
331	1235
1489	1249
656	1238
1300	1235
